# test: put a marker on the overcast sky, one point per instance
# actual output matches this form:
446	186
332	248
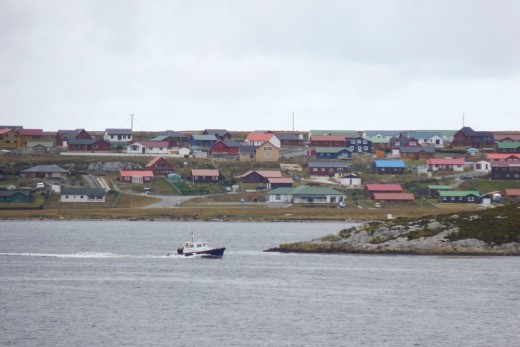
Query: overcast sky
245	65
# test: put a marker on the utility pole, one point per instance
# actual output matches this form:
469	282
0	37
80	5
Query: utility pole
293	121
132	121
463	119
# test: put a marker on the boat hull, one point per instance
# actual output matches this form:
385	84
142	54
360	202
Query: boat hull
211	253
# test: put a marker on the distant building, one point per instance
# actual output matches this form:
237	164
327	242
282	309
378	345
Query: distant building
148	147
14	196
324	168
45	171
63	136
505	170
118	137
159	166
467	137
305	195
8	138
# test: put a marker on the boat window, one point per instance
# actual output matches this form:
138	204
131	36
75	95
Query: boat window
199	245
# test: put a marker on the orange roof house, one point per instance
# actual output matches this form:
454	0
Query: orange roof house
256	139
502	156
394	197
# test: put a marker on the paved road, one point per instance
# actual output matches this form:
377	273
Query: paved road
170	201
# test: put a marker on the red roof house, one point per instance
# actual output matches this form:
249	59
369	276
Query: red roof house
445	164
225	148
25	135
159	166
513	195
371	189
396	198
134	176
502	156
328	141
256	139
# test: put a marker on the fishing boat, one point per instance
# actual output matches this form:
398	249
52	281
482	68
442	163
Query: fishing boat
200	248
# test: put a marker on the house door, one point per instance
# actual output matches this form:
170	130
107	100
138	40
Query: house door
143	150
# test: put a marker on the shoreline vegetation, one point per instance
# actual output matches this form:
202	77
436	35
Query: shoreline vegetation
223	212
489	232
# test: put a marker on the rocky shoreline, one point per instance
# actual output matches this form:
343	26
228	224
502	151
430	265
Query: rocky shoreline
492	232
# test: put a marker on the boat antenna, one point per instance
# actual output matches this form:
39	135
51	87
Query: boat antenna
192	237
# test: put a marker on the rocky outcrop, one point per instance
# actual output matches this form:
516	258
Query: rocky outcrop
461	235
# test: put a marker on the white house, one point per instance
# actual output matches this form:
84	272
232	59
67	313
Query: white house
445	164
482	166
427	138
118	136
350	180
148	147
180	152
82	195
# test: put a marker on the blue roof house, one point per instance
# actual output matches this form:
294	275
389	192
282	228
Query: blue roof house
389	167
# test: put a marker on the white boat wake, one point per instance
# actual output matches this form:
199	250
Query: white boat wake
90	255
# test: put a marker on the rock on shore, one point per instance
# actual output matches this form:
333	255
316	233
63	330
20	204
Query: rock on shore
492	232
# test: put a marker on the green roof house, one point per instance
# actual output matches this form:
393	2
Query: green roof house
464	197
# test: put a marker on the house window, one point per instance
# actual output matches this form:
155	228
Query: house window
351	148
452	198
364	142
471	198
365	148
81	197
277	197
358	141
314	169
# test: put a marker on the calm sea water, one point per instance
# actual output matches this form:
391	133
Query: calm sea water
110	284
